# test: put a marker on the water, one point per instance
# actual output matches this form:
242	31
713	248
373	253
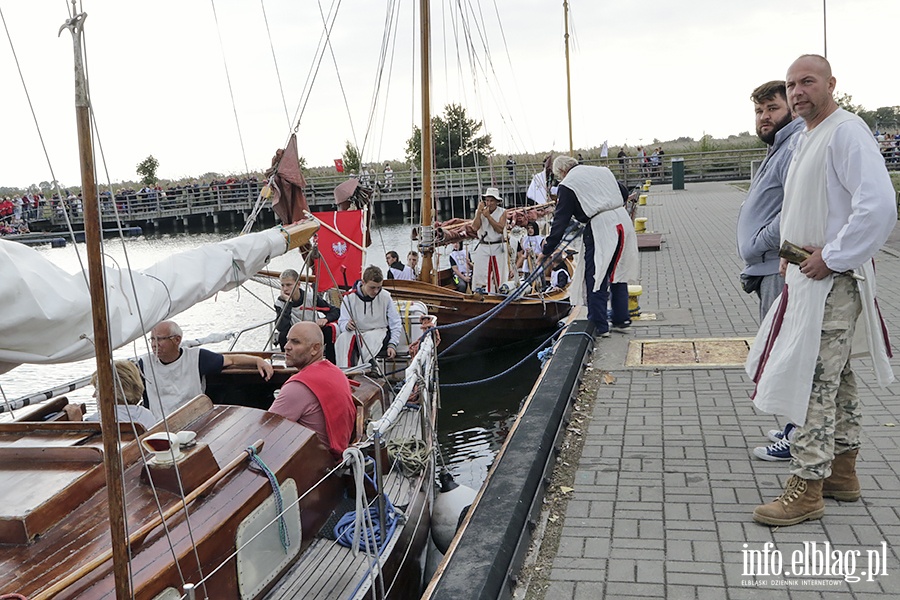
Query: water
473	421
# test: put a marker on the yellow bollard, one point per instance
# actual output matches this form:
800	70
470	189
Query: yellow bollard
640	224
645	187
634	309
642	200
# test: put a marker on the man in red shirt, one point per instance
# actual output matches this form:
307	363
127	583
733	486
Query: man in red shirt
318	395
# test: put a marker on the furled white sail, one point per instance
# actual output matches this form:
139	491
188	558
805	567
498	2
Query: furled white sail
46	312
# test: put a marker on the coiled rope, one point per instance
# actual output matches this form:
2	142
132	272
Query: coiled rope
362	528
412	454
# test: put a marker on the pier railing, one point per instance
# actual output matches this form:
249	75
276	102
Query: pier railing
455	190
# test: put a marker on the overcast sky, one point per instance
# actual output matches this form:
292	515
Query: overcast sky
639	70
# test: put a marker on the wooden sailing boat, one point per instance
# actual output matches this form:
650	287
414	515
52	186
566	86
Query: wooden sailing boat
107	510
527	317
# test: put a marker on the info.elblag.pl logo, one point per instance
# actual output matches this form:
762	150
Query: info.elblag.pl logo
819	560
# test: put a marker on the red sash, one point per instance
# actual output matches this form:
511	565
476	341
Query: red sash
332	389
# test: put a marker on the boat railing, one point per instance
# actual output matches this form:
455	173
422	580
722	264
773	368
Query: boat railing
237	334
421	367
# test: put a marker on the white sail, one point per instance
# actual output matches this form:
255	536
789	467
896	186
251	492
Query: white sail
46	316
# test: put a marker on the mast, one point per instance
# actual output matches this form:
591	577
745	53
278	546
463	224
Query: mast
427	246
568	82
112	459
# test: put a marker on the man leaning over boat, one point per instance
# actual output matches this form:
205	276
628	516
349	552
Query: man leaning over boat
318	396
593	196
174	375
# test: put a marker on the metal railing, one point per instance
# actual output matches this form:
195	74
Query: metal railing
405	186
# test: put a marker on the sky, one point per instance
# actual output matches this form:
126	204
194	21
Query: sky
215	86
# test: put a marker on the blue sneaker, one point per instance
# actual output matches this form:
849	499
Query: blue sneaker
776	435
780	450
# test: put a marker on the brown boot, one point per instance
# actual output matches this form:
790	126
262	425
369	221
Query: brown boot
800	501
842	484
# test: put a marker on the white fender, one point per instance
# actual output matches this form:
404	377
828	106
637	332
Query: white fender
449	509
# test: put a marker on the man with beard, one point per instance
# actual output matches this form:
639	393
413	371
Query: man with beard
758	227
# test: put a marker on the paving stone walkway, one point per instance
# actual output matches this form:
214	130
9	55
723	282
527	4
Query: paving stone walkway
666	483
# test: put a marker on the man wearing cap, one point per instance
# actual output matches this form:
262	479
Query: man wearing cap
490	268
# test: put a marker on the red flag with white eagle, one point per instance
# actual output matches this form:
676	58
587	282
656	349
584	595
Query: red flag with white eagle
340	244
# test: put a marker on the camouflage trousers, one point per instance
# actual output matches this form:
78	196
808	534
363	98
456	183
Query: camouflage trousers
833	416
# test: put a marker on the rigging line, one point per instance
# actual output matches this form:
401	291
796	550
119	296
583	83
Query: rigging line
287	118
230	90
314	68
337	72
382	58
43	144
393	53
512	72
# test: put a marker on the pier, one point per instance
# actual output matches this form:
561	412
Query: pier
456	192
657	500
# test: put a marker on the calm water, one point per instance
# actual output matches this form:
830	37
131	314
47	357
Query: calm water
473	421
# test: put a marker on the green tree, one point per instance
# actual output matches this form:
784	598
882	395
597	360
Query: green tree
350	157
456	140
146	169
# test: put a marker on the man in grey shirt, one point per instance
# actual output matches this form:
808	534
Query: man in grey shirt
758	227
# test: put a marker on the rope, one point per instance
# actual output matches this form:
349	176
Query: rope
572	232
509	370
365	519
276	492
411	454
230	89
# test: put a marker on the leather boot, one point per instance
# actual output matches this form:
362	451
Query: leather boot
800	501
842	484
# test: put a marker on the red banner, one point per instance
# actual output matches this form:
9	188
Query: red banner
339	165
342	253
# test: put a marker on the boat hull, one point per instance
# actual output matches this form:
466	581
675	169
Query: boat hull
522	319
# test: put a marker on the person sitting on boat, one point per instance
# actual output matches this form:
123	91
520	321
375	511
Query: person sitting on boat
461	265
529	247
370	324
412	261
304	306
174	375
396	269
489	255
559	274
317	396
129	389
592	195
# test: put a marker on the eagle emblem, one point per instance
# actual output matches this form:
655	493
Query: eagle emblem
339	248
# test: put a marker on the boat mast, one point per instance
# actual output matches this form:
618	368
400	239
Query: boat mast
568	82
105	386
427	247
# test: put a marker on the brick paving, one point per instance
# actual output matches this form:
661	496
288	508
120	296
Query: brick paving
666	484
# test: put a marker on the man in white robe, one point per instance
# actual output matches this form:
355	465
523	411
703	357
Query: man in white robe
491	267
838	205
369	323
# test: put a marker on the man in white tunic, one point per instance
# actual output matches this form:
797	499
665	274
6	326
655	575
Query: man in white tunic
370	324
491	267
838	205
173	375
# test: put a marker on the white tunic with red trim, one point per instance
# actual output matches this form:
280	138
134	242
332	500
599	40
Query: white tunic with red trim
615	241
837	197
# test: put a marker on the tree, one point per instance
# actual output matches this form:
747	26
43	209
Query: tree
455	139
350	157
147	170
